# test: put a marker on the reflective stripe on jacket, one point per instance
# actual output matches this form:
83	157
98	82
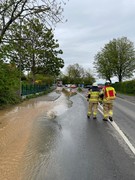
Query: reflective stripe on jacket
94	95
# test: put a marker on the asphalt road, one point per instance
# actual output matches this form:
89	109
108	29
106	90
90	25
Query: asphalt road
77	148
51	138
124	115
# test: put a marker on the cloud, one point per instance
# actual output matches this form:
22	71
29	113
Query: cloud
91	24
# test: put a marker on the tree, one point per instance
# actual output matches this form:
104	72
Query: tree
49	11
124	63
102	62
34	49
75	71
88	77
117	58
76	74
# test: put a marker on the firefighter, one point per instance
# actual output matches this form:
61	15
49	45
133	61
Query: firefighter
93	98
107	95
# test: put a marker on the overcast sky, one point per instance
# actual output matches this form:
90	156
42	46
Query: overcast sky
91	24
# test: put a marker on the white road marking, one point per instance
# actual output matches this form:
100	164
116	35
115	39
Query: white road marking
121	133
131	147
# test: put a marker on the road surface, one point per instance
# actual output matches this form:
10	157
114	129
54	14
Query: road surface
54	140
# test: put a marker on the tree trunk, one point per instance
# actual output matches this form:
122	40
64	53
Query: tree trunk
33	69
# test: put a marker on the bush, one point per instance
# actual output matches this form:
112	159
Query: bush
79	89
9	84
127	87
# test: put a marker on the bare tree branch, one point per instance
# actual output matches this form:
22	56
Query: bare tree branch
49	12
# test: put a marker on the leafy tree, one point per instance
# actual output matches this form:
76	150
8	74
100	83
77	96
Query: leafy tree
75	71
75	74
13	48
48	11
36	49
88	77
102	65
78	75
117	58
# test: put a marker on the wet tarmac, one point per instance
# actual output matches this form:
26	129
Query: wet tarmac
50	138
127	97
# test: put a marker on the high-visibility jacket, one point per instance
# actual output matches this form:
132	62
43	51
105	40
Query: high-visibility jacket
103	92
93	95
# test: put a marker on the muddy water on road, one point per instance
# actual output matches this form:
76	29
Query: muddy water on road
26	131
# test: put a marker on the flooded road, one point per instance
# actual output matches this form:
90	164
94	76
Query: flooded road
51	138
22	134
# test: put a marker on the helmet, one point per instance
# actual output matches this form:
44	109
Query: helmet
107	83
94	84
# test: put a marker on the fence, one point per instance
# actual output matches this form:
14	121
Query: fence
33	89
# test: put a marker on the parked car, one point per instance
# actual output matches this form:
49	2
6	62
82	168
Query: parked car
88	86
73	86
100	87
68	85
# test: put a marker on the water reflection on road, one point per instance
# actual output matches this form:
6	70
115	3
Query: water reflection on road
28	136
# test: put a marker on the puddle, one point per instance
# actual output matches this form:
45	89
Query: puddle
16	130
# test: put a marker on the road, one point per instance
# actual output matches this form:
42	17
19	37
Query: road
124	115
63	144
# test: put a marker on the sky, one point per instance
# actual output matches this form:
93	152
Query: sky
90	25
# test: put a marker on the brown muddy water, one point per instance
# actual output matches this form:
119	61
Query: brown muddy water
27	136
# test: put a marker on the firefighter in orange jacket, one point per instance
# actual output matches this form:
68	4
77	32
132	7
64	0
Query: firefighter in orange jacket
93	98
108	95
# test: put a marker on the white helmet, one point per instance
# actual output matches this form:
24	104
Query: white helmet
94	84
